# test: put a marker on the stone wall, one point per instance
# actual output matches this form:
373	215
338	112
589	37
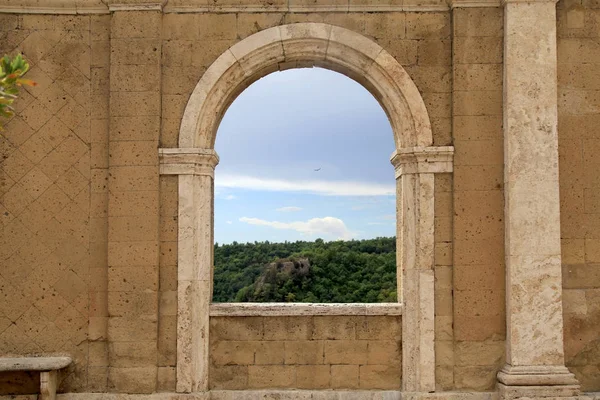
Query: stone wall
320	352
89	228
53	245
579	141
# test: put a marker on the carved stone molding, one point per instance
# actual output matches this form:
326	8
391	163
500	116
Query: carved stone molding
423	160
191	161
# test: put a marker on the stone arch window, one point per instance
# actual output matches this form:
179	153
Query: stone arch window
415	161
284	128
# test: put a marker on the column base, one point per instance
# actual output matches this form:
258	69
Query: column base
537	382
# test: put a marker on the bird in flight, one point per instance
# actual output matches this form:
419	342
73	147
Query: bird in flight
318	169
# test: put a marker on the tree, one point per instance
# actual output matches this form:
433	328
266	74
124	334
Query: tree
11	79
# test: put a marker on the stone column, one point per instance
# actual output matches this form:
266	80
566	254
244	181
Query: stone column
195	168
534	344
415	169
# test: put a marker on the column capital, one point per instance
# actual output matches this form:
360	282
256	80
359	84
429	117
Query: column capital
423	160
188	161
135	5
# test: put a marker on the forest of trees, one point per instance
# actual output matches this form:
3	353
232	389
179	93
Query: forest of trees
357	271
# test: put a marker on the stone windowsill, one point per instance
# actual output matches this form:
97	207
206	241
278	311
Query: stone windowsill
302	309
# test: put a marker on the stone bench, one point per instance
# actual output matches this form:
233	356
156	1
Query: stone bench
48	367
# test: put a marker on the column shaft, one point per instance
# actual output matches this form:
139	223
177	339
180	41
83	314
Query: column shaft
532	209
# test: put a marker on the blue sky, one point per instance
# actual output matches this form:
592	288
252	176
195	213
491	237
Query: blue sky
273	138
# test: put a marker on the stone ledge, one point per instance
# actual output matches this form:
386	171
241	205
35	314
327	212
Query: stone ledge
302	309
100	7
284	395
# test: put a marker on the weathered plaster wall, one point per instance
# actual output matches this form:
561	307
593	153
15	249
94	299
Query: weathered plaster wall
321	352
579	141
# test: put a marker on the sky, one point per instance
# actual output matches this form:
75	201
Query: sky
304	154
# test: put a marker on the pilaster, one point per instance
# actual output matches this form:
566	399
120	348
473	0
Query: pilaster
195	168
133	208
415	169
534	344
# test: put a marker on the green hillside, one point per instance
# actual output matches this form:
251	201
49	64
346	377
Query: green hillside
354	271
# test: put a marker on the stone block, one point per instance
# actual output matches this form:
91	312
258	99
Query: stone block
132	354
333	327
166	379
129	254
132	304
344	376
132	380
478	50
443	229
126	329
444	353
428	25
269	353
135	78
439	105
136	24
443	254
313	376
472	327
134	178
288	328
391	25
431	78
135	203
228	377
132	279
97	379
574	302
233	352
384	352
167	341
271	376
482	102
249	24
346	352
131	104
129	229
135	51
486	277
479	353
479	152
477	178
236	328
477	77
479	378
379	327
478	21
435	52
304	352
380	377
483	127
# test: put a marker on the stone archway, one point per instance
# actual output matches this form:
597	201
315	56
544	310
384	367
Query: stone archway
416	162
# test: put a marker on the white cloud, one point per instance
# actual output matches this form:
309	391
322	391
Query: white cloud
230	197
289	209
229	222
329	226
326	188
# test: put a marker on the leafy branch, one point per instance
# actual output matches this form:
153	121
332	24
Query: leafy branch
11	79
